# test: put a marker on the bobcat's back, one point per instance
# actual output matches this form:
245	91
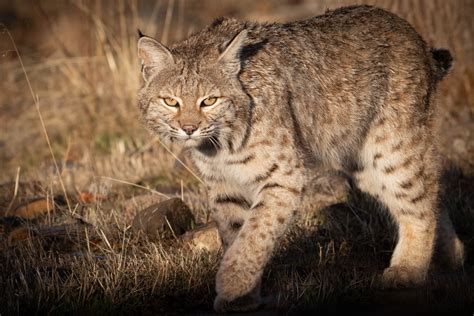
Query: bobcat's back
337	72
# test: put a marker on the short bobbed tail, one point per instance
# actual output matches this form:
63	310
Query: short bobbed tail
443	61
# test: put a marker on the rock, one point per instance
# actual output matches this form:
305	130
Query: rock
138	202
170	218
205	237
134	204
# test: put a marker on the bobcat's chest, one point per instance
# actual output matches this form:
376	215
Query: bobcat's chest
237	170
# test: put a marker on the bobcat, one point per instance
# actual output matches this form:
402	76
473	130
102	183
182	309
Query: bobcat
259	104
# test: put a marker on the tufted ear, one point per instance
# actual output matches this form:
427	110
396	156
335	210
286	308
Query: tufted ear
230	57
154	56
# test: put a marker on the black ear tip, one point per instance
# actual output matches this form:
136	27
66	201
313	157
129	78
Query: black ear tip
140	34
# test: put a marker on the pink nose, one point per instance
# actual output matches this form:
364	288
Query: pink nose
189	128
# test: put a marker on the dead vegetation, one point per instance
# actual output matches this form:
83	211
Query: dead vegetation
66	243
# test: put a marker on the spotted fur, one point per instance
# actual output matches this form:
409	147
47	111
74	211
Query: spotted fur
352	89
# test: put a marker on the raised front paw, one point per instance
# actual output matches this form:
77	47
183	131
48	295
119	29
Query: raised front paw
246	303
403	277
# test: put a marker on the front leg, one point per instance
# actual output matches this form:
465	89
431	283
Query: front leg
241	269
230	209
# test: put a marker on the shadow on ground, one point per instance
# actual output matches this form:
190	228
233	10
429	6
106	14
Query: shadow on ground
334	267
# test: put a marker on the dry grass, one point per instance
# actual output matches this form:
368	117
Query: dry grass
96	265
80	59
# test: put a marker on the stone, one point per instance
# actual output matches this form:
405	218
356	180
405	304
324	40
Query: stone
204	237
167	219
133	205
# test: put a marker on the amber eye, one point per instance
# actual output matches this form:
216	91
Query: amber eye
209	101
171	102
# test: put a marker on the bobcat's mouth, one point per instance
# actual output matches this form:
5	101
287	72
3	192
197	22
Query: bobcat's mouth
205	140
196	140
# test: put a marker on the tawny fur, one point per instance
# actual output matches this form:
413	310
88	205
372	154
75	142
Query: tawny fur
352	89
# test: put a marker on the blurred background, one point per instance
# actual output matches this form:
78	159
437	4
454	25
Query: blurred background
80	57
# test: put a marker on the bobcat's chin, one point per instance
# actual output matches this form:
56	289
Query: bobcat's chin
205	144
191	142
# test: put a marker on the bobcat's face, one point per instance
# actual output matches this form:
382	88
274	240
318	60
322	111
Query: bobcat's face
195	102
190	107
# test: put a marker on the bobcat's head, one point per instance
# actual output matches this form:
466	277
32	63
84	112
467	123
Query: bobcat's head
192	93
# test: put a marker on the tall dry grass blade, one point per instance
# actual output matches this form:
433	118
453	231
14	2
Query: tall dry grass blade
60	178
179	32
171	228
87	241
166	27
15	191
180	161
152	19
135	185
104	238
36	102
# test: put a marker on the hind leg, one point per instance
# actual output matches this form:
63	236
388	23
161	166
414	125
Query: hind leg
411	259
449	247
401	170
